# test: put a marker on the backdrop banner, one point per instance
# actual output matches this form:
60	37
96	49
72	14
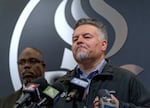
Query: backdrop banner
48	25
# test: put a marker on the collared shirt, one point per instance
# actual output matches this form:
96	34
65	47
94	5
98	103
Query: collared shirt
98	69
88	77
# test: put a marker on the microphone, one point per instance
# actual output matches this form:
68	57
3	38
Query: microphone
105	99
78	87
104	93
32	92
40	93
53	92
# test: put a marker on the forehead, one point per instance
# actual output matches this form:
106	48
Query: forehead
85	28
29	53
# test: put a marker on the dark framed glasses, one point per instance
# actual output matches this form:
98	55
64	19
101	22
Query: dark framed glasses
31	61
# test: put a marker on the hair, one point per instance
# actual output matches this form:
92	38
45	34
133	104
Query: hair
93	22
35	49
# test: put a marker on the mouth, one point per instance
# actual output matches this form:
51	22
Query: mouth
28	75
80	48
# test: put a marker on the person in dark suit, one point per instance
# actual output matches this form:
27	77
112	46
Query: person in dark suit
30	66
89	44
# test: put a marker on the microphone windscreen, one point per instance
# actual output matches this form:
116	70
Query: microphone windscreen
103	93
59	87
41	81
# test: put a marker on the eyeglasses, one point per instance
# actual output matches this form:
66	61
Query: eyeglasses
32	61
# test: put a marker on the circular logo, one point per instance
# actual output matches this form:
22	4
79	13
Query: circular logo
47	25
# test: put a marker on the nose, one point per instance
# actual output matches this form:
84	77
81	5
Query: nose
80	39
27	65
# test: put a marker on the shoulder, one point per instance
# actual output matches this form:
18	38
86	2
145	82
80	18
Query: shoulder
10	100
118	71
14	94
120	74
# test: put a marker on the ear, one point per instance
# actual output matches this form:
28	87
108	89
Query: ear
104	45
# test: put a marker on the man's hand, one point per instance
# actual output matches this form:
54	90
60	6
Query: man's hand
97	103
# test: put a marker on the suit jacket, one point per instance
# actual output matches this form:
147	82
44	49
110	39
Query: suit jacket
10	101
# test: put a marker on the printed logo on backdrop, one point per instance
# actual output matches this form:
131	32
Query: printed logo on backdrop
48	25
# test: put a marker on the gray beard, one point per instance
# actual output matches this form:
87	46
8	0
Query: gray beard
81	56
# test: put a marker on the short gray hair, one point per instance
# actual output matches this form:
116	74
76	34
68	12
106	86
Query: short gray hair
93	22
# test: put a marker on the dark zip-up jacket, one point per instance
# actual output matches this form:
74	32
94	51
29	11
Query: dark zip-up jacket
128	89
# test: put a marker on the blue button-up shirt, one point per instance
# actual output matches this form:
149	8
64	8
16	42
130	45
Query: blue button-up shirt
92	74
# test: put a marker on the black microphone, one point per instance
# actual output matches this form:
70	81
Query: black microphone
104	93
32	92
77	89
52	93
40	93
105	99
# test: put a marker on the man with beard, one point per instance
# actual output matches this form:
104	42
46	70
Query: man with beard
89	44
31	66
